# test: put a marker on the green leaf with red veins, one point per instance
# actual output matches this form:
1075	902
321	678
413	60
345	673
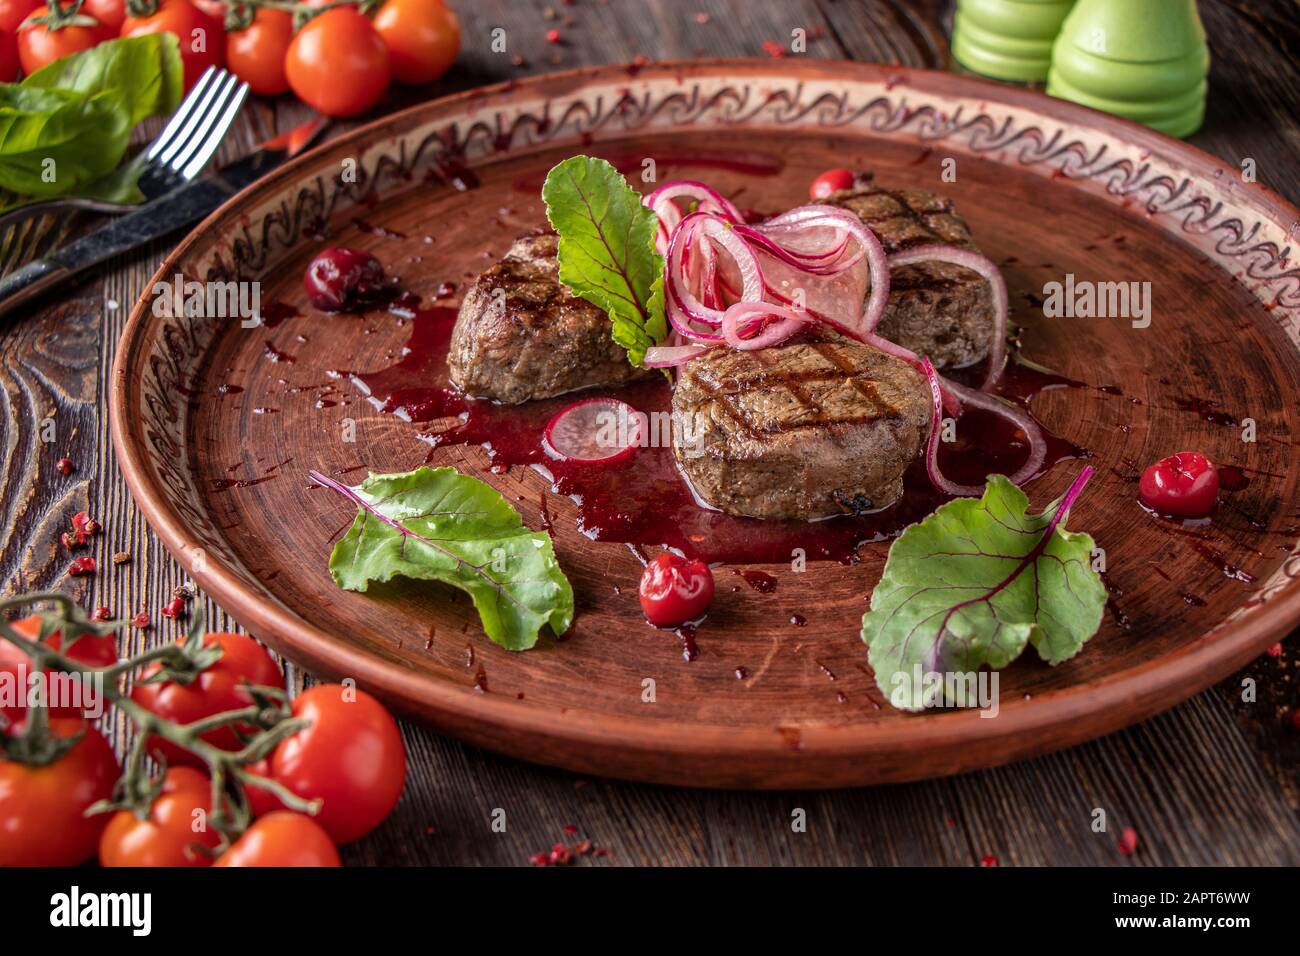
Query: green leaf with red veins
435	524
975	582
607	249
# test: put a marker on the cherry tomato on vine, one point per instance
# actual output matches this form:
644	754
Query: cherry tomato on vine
351	757
422	36
109	13
256	53
41	42
8	56
220	687
674	590
42	807
338	63
14	12
282	839
89	649
201	36
176	832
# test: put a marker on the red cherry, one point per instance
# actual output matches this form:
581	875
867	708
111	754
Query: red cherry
831	181
340	279
1185	485
674	590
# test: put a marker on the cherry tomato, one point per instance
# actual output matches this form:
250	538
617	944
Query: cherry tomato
351	758
422	36
830	181
256	53
219	688
176	832
109	13
14	12
674	590
201	36
1185	485
338	64
42	808
89	649
282	839
38	45
260	800
8	56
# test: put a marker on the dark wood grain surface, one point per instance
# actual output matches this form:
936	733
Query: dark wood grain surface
1212	782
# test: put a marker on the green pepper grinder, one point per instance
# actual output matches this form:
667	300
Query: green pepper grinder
1007	39
1145	60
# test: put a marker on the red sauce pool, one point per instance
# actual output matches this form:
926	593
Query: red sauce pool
644	500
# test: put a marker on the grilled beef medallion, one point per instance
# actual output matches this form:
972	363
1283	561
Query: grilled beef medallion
935	308
804	430
520	335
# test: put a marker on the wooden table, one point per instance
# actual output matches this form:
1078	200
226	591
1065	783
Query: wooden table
1212	782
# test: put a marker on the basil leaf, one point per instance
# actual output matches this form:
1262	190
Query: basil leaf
973	583
65	128
436	524
145	72
606	251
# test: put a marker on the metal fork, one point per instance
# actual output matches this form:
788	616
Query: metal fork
176	156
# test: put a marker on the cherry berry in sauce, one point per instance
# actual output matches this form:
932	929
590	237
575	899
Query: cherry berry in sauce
1185	485
341	278
831	181
675	590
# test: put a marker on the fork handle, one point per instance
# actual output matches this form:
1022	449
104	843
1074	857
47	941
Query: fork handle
29	282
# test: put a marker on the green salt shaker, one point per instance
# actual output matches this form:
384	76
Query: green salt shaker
1141	59
1007	39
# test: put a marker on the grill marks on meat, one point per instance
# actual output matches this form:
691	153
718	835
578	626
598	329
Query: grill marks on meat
520	335
803	430
935	308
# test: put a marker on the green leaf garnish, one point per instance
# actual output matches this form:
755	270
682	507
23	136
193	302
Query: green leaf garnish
973	583
606	251
436	524
65	128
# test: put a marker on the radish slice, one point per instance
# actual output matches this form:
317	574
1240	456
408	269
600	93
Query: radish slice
986	268
594	430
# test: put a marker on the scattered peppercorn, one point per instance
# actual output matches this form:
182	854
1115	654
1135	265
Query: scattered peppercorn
989	860
65	466
141	620
539	859
69	542
121	557
773	49
80	567
560	854
174	609
1128	841
1275	650
101	614
552	35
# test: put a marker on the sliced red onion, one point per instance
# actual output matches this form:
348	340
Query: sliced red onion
806	217
744	316
932	442
1021	419
671	356
975	262
706	227
661	202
